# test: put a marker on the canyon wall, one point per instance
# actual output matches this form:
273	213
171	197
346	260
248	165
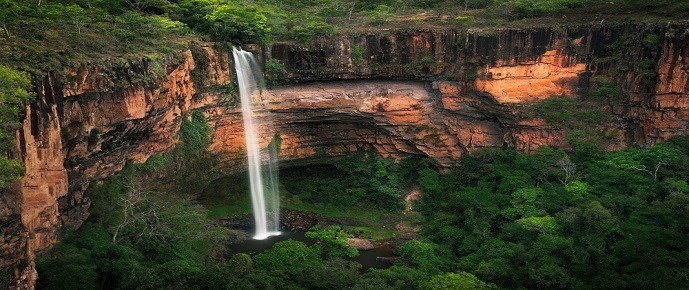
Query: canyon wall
437	94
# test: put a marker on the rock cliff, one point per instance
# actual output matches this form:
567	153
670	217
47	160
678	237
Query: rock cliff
437	94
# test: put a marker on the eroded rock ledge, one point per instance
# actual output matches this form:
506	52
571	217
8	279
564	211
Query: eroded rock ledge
397	118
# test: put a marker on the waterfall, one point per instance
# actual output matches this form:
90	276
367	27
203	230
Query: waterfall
262	175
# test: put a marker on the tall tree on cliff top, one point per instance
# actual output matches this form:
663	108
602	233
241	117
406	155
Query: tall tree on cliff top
9	12
14	91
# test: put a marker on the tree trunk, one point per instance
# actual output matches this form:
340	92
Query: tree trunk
7	31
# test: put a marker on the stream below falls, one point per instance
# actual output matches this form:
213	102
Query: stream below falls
367	259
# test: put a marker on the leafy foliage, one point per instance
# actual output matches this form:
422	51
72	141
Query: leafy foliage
55	34
361	177
14	93
243	24
513	222
288	255
460	281
380	14
426	256
499	217
333	241
532	8
195	133
275	72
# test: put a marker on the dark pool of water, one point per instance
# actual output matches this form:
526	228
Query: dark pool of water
366	258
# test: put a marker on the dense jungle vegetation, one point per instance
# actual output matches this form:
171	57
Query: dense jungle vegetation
584	219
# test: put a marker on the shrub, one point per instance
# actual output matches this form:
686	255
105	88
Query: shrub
14	92
333	241
680	10
425	3
380	14
533	8
312	28
238	24
195	133
464	20
275	72
458	281
289	255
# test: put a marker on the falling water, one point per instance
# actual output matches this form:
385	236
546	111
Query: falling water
264	191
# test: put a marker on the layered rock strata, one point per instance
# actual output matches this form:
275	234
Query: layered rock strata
437	94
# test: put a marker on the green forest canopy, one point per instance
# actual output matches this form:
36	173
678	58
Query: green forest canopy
582	219
45	35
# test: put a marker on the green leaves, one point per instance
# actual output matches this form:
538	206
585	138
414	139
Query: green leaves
10	171
380	14
513	220
9	13
533	8
428	257
359	178
275	73
230	22
544	224
333	241
14	93
291	256
649	161
195	133
458	281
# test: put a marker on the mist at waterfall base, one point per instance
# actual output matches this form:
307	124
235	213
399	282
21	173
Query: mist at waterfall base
263	172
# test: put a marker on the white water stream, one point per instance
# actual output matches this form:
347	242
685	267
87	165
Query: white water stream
262	175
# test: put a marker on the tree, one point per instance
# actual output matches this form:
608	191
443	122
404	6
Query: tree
427	256
542	224
195	133
524	203
458	281
395	277
649	161
238	24
289	255
141	6
130	208
333	241
10	170
380	14
72	269
568	169
14	92
9	13
78	16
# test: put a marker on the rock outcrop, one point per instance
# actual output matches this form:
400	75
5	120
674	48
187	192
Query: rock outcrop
437	94
360	244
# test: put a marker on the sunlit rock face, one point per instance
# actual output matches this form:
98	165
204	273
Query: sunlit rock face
665	113
437	94
396	118
552	74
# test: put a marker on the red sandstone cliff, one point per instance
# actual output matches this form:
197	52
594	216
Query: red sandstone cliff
439	94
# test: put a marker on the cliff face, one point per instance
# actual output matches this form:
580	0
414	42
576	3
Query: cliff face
438	94
506	69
